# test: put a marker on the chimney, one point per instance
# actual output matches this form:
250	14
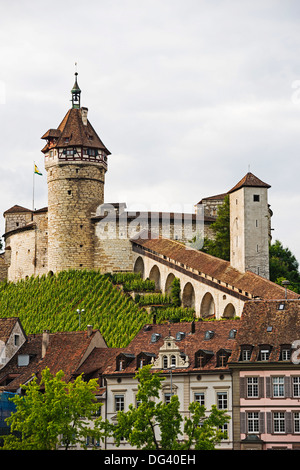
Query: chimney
45	342
84	113
89	330
193	327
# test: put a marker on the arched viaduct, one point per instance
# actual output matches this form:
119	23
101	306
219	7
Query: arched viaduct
209	285
207	300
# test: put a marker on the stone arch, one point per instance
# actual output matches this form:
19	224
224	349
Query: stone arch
188	296
154	275
229	311
207	308
168	285
139	266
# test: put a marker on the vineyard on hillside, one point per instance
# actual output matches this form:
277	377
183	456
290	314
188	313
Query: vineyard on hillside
51	302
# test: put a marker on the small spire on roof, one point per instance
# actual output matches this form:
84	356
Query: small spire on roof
76	91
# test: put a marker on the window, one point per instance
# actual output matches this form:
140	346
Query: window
222	357
165	362
296	386
256	197
173	360
285	353
119	402
202	357
224	429
167	397
278	386
279	421
297	421
222	400
253	421
252	387
246	354
17	340
199	398
264	353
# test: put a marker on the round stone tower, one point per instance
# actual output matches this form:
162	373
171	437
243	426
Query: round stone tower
76	163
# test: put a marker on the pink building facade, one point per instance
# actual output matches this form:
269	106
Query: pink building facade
266	377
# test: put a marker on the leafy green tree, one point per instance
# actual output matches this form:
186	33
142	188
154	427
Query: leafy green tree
156	425
59	414
284	265
220	245
175	292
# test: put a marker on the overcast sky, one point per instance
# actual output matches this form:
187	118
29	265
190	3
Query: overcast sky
186	94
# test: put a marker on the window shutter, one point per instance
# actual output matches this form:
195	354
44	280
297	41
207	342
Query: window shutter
287	387
261	422
268	387
288	423
243	423
242	387
261	387
269	422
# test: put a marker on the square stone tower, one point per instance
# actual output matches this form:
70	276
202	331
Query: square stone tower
76	163
249	225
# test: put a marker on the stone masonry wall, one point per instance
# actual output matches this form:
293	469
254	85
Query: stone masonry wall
74	192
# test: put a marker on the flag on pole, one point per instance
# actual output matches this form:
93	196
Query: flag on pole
37	171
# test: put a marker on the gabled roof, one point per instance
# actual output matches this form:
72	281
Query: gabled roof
66	351
6	327
78	134
273	323
249	180
214	267
16	210
189	345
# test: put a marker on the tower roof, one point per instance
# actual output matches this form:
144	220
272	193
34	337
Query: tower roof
249	180
73	132
75	129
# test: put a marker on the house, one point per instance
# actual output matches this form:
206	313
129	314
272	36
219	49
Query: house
57	351
12	336
192	356
266	376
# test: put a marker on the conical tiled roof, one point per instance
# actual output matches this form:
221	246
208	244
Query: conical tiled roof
249	180
73	132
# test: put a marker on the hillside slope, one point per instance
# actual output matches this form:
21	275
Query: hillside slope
51	302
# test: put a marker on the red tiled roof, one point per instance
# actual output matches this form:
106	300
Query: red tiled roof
189	345
65	352
263	322
6	327
77	133
249	180
16	209
214	267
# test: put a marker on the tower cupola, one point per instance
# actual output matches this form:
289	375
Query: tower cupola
76	163
76	92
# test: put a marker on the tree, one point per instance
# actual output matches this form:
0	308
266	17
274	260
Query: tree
61	414
156	425
283	265
175	292
220	245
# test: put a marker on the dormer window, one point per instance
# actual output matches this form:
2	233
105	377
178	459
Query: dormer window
165	362
222	357
202	357
123	360
246	351
67	140
264	352
208	334
285	353
144	359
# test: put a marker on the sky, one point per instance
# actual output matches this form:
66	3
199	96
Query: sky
188	96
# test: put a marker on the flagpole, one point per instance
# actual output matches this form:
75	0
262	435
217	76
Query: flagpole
33	188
